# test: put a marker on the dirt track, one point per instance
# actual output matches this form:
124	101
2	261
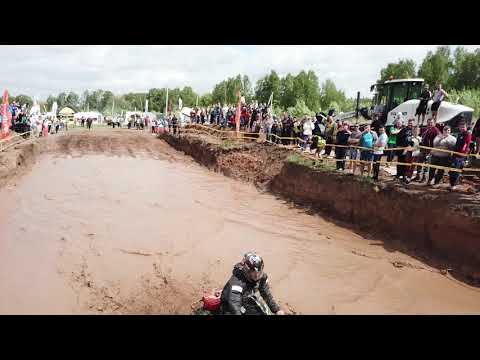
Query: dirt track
120	222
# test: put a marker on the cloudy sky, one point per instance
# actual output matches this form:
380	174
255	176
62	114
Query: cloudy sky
43	70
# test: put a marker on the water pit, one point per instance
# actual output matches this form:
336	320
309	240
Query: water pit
119	222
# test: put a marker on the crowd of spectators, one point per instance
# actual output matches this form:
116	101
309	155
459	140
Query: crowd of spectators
320	134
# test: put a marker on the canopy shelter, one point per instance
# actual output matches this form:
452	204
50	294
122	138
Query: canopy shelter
66	114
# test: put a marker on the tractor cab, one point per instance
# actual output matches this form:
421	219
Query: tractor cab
392	93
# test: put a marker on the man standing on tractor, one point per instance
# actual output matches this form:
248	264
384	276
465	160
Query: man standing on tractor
423	105
238	292
438	97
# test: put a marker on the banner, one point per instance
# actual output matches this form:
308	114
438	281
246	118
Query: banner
239	110
6	116
54	109
180	104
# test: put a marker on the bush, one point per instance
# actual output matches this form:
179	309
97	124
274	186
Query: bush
469	98
300	110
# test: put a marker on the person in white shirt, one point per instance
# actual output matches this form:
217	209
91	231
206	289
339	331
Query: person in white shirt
378	149
308	127
268	127
444	141
438	97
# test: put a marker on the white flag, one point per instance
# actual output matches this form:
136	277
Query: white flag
146	106
270	100
54	109
180	103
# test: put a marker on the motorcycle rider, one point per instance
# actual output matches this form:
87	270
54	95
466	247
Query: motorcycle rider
247	278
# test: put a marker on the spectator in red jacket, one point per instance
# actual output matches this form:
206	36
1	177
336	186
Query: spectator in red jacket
462	145
428	136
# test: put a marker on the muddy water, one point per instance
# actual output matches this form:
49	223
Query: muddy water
101	234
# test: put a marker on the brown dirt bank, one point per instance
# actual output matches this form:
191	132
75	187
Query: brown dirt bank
443	227
16	160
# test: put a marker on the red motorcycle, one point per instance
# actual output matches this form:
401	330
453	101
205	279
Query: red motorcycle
211	305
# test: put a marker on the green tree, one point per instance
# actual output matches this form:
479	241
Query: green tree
266	86
50	100
83	100
300	109
307	88
61	100
225	92
219	92
469	97
466	69
73	101
173	96
403	69
189	97
135	101
121	105
247	89
22	100
156	99
436	67
205	100
287	91
233	86
106	102
330	94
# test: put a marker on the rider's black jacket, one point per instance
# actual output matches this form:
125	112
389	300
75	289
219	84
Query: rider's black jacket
238	288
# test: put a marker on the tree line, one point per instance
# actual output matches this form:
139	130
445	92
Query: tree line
300	90
458	71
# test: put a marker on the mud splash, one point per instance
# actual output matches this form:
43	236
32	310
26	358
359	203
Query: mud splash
119	222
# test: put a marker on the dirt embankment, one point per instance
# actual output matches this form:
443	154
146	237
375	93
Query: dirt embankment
250	162
439	225
20	158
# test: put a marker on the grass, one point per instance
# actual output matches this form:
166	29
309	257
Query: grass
230	144
316	165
